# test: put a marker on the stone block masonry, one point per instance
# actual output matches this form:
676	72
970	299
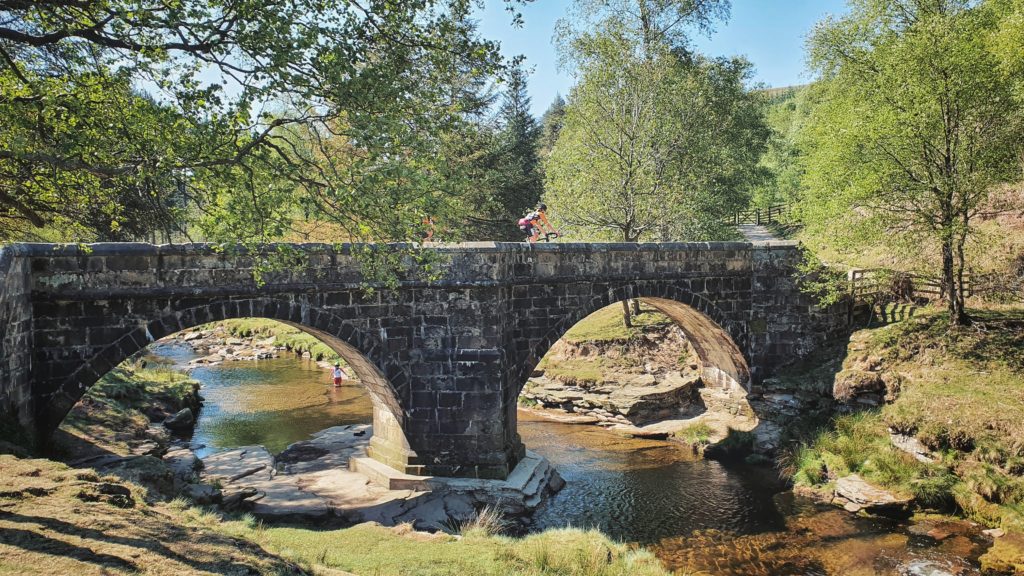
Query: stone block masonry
444	359
16	399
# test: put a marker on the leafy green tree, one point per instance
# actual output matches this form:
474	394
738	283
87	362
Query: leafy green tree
653	148
785	114
649	24
248	98
1007	39
657	143
914	126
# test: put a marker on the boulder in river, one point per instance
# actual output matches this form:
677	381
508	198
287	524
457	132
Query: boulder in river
857	494
183	421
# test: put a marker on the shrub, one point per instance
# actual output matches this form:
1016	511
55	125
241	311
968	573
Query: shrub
698	433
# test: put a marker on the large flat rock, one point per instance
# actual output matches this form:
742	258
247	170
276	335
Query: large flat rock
862	495
635	398
321	477
252	462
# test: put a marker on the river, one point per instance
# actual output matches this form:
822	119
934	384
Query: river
698	516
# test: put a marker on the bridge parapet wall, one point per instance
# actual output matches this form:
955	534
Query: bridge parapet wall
84	271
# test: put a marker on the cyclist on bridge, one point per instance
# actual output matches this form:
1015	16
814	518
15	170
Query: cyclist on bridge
536	222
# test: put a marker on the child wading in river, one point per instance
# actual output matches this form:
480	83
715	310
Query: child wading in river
338	375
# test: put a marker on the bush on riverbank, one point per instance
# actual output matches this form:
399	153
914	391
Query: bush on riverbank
961	395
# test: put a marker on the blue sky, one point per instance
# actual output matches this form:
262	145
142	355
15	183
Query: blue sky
770	33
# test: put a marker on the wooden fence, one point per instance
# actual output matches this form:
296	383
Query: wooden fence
759	216
877	283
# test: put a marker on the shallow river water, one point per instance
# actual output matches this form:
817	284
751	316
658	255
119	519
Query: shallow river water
698	516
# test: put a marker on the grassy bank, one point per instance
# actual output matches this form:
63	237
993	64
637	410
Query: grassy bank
607	325
115	414
960	393
58	520
604	329
291	338
373	549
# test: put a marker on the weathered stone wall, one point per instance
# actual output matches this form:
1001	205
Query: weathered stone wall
444	359
16	399
785	324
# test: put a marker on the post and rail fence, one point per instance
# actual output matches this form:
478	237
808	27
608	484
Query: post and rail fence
880	283
876	283
759	216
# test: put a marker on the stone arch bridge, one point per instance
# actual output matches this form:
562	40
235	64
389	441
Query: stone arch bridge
444	358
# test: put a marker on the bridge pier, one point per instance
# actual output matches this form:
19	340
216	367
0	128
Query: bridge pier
443	358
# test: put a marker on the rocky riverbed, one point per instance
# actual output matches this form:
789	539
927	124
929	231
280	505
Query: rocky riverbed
329	478
217	345
637	381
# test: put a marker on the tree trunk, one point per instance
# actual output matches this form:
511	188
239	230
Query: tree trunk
963	318
636	306
951	287
625	314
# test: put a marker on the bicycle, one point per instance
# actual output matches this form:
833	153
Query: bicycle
545	238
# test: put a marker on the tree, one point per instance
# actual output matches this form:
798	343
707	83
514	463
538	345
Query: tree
512	178
551	125
520	185
648	24
653	148
786	114
1007	38
246	100
915	125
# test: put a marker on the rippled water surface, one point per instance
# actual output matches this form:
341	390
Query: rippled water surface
698	516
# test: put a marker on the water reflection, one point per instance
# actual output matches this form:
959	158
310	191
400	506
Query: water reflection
272	403
646	490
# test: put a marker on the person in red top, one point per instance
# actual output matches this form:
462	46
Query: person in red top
536	222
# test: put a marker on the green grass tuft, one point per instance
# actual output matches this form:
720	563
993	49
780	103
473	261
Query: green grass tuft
698	434
961	395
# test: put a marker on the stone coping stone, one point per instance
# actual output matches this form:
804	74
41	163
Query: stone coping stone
138	248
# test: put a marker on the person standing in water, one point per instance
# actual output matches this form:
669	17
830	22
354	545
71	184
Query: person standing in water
338	374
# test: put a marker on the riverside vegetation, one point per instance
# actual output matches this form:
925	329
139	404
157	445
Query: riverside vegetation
957	394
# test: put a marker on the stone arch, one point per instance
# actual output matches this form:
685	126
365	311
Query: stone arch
385	381
717	340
